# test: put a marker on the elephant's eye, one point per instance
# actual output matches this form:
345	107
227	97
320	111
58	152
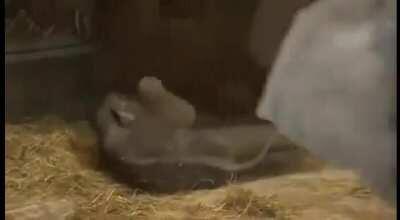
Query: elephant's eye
123	119
116	117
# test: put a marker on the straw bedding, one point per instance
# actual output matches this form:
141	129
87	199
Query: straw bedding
52	168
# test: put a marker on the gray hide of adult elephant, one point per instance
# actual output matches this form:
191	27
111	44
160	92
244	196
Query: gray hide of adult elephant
333	86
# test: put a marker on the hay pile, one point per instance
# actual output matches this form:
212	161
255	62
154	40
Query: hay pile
51	161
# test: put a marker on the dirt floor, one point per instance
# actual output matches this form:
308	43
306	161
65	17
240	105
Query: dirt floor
52	173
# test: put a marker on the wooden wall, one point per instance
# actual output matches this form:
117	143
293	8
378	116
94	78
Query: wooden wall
202	55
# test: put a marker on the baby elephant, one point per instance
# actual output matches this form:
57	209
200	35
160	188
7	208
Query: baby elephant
138	148
149	148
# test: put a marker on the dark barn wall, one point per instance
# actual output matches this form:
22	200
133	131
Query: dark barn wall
204	58
53	86
200	51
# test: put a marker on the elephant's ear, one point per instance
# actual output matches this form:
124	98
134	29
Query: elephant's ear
122	118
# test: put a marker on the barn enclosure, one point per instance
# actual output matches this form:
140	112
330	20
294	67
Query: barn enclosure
64	57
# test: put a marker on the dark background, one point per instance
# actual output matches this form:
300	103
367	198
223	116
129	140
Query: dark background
198	48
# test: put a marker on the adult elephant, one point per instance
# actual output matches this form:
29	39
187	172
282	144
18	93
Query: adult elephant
333	86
